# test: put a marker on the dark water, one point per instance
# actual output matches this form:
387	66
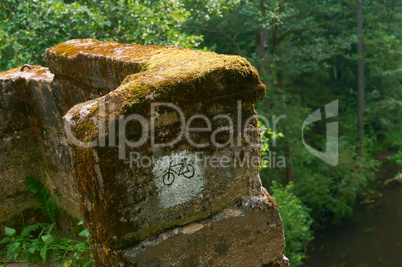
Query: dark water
370	238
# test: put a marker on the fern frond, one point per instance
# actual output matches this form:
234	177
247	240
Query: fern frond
50	209
37	187
31	228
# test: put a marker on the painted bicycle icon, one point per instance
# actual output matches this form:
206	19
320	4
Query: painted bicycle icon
183	168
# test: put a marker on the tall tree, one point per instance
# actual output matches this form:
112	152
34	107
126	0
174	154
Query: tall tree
262	45
360	75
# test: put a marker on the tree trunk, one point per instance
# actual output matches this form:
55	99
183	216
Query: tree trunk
262	44
360	52
261	40
280	84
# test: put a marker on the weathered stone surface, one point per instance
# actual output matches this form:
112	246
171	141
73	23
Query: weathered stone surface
196	201
248	233
284	262
196	82
123	203
146	74
32	143
19	146
107	64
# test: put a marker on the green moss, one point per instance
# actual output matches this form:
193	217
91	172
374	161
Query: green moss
160	67
85	130
151	74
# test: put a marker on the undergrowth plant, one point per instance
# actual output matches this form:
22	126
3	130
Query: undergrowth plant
266	134
39	243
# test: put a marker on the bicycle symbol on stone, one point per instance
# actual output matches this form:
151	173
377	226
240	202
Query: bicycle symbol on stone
183	168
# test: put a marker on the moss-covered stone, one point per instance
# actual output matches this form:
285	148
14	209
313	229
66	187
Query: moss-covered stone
32	143
134	212
145	74
124	205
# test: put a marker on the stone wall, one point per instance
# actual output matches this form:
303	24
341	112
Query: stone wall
123	103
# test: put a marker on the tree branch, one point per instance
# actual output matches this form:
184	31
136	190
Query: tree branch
231	40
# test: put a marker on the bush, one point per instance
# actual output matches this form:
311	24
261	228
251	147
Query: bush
296	222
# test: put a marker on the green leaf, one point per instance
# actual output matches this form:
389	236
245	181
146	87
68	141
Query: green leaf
52	254
25	255
31	250
50	209
9	231
80	246
84	233
5	240
31	228
43	252
48	239
17	245
80	222
34	185
35	244
15	256
37	187
10	251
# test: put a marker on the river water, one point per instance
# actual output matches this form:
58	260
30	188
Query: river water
371	238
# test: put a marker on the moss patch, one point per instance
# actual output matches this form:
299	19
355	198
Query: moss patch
147	70
149	74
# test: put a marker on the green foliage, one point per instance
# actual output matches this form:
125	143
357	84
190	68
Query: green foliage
296	222
265	137
29	27
332	192
38	188
397	157
39	243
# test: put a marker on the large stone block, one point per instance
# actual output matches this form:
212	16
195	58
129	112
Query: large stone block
164	150
20	146
136	177
248	233
32	143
